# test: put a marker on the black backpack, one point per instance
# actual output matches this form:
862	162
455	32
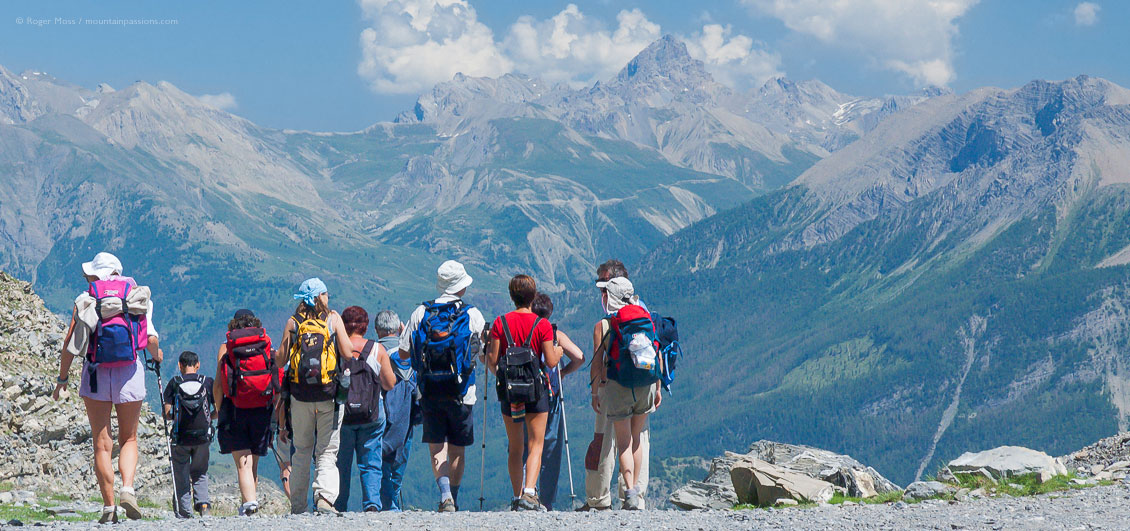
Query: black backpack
363	401
519	369
192	414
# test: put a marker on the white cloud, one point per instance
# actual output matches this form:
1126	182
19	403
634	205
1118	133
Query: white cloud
914	37
224	101
570	47
414	44
734	62
1087	14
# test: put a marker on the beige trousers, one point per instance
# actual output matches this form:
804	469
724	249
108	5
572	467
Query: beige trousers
600	463
314	438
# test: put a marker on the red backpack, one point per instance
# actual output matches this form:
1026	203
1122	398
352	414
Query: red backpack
248	372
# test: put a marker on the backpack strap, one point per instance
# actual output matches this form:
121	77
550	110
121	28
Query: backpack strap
367	350
530	338
506	331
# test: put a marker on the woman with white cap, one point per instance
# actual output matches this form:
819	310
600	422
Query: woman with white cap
626	390
107	387
314	340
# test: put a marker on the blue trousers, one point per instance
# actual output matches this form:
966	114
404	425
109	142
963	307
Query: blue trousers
364	440
392	476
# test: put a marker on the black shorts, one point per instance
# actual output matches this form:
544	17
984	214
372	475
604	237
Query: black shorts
244	429
447	421
543	405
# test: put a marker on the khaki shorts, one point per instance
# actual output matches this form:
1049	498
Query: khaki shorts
619	402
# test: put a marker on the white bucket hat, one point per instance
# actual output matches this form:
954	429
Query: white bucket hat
452	277
103	265
620	293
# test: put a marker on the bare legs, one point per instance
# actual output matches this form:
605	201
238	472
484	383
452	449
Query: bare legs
447	460
98	413
247	469
532	440
628	447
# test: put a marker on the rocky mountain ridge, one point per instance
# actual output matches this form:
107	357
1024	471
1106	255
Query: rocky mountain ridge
46	445
955	278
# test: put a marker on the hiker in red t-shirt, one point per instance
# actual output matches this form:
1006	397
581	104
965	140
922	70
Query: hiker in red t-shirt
520	352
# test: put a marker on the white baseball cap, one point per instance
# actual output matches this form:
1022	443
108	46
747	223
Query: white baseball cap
452	277
103	265
620	292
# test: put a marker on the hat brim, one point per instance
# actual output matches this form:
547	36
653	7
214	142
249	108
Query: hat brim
602	284
88	269
458	286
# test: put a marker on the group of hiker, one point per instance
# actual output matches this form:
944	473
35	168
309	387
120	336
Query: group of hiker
329	394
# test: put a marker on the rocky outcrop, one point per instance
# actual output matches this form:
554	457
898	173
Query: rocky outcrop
852	477
716	491
1004	462
45	446
759	483
843	473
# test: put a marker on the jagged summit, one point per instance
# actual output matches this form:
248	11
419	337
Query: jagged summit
666	58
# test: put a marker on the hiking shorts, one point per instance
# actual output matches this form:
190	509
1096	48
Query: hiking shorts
447	421
619	402
248	429
541	406
120	385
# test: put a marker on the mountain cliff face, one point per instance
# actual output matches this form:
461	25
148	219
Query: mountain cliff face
45	445
954	279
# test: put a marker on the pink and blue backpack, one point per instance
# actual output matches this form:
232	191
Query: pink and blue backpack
116	339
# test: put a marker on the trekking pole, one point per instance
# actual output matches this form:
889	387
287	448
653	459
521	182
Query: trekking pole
565	428
483	459
156	368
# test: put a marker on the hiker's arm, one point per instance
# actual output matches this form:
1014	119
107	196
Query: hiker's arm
154	349
217	387
388	379
492	356
284	345
65	360
572	351
344	345
402	352
596	369
551	353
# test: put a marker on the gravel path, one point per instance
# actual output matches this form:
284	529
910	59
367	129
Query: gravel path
1094	508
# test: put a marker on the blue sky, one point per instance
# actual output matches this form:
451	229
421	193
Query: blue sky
343	64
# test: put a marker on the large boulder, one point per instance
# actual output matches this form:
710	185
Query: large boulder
853	477
760	483
1005	462
921	490
714	492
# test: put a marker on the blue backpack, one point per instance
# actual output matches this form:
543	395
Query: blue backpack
667	331
627	323
441	350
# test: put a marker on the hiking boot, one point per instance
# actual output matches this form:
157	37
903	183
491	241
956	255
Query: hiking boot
203	508
586	508
128	501
324	507
109	517
446	506
248	508
514	504
530	502
372	509
633	503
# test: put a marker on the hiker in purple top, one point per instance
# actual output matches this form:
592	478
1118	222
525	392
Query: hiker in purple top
111	324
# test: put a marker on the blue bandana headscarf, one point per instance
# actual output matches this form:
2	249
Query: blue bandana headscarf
309	290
